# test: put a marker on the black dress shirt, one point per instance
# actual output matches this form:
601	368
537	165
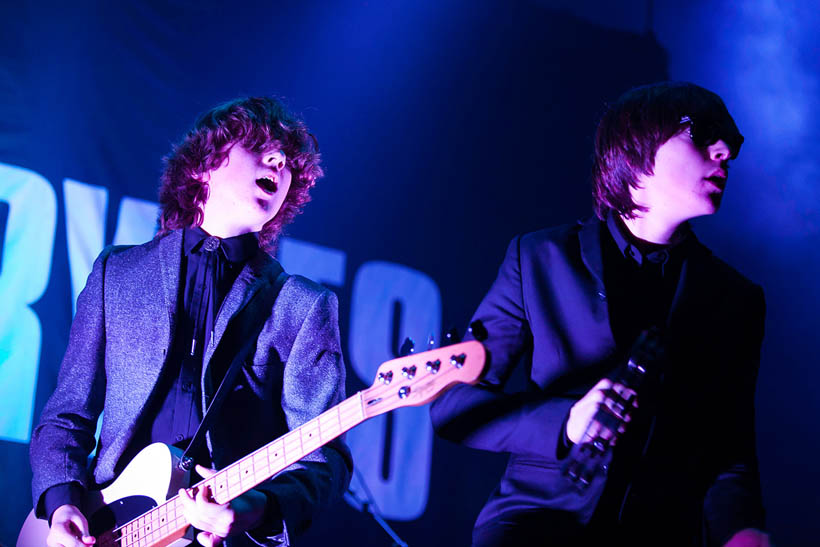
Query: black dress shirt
210	266
641	279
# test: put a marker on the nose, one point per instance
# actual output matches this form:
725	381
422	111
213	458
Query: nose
720	151
275	159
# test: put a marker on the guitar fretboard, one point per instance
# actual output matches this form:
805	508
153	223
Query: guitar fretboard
165	522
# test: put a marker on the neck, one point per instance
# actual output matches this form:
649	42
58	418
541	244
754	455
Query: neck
651	229
223	230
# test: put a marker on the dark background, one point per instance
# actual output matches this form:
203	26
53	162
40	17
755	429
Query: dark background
446	128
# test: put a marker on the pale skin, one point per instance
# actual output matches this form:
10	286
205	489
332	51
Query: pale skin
687	182
244	192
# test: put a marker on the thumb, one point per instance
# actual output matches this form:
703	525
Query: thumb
208	539
205	472
81	523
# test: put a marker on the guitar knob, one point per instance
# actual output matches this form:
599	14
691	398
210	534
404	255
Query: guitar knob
478	330
385	377
433	366
404	392
408	372
451	337
458	360
407	347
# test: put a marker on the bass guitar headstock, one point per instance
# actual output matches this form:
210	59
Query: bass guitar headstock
418	378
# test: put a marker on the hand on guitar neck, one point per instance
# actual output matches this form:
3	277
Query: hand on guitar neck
218	521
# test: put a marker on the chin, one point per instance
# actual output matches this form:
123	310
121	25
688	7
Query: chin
714	201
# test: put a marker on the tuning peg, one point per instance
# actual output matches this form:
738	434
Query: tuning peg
478	330
458	360
451	337
431	342
407	347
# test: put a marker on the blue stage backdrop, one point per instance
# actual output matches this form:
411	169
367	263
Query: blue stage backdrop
446	128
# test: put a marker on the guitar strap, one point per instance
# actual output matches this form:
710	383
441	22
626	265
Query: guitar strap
246	326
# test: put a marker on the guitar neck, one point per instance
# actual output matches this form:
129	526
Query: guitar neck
411	380
257	467
164	523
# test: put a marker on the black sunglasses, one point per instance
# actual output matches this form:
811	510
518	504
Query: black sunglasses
705	132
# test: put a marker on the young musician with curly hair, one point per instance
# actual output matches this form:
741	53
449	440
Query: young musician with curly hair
152	317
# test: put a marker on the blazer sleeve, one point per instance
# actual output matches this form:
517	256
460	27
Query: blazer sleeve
733	500
64	437
483	416
314	381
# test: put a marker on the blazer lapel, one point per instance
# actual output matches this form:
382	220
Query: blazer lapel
697	290
692	327
144	365
590	239
597	336
170	255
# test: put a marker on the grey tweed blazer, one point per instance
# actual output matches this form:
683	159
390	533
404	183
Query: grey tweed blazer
119	343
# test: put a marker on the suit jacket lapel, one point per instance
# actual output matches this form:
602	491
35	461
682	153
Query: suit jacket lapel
144	372
590	239
592	255
170	256
692	328
697	290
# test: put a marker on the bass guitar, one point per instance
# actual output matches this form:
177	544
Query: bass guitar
136	510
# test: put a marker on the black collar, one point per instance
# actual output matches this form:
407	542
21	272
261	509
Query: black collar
639	249
236	249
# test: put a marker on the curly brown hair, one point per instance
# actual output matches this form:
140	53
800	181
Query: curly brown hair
255	123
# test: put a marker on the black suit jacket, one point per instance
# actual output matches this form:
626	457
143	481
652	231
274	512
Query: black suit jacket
548	307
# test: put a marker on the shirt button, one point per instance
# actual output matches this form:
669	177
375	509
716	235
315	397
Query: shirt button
179	437
187	386
601	295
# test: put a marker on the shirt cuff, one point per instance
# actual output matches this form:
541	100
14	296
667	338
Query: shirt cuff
564	443
68	493
272	525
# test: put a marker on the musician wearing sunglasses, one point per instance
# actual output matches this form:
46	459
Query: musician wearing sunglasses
607	445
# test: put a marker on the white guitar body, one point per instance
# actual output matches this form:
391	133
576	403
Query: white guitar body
148	480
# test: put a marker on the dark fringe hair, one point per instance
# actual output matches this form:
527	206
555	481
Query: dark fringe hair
637	124
255	123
